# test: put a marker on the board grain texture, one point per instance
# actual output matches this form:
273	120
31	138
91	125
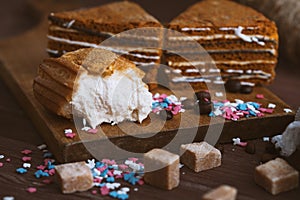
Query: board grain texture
20	56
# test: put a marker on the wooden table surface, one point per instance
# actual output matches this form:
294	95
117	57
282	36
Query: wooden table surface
18	133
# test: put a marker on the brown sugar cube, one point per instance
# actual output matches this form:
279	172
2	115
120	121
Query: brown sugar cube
161	169
200	156
74	177
276	176
223	192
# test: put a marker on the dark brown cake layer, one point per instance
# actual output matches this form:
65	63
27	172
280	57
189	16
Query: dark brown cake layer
114	18
224	44
240	41
216	14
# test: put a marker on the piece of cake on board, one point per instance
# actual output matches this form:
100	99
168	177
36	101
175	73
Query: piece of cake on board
71	30
93	84
242	44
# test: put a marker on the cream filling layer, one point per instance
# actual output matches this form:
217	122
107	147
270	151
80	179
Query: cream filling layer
115	50
237	34
112	99
120	35
208	29
230	62
195	79
229	71
216	36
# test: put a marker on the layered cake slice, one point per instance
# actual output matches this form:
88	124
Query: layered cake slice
242	44
94	84
71	30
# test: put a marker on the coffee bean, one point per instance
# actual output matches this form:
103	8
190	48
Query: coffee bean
250	148
267	157
188	104
246	89
203	97
166	114
205	108
233	86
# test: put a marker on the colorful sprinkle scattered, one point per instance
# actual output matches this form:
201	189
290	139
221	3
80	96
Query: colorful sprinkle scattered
260	96
165	102
237	141
266	139
287	110
42	146
238	109
1	156
26	158
8	159
271	105
21	170
70	135
31	189
9	198
93	130
26	165
104	190
1	164
26	152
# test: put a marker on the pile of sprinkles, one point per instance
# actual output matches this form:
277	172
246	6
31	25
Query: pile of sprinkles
107	173
109	177
168	103
238	109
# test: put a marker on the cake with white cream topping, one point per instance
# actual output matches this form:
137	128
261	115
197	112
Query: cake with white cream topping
94	84
71	30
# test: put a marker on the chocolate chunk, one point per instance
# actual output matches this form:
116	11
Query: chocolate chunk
188	104
246	89
267	157
233	86
166	114
203	97
250	148
205	108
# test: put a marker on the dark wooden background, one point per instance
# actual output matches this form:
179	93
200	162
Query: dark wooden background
17	16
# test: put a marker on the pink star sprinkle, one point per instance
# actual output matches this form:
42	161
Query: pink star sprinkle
1	164
41	167
70	135
51	172
26	158
94	192
140	182
260	96
26	151
31	189
104	190
93	130
8	159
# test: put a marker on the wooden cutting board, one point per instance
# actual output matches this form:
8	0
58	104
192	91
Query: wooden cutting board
20	57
